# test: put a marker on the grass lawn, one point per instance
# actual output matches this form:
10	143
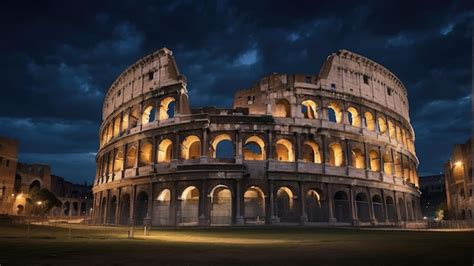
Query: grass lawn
48	245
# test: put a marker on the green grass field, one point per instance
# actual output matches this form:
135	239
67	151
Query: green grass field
46	245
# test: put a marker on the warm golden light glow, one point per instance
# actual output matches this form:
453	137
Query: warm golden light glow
458	163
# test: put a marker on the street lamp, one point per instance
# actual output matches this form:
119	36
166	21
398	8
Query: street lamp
39	203
458	163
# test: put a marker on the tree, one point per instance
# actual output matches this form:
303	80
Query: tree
42	201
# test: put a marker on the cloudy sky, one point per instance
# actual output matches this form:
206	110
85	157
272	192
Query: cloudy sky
59	58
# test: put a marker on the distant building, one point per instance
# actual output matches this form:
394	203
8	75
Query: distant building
459	182
17	179
433	194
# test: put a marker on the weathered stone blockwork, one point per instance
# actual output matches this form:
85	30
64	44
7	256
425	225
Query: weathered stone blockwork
330	149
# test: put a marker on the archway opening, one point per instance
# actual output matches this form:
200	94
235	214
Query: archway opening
35	185
377	205
112	210
285	205
148	115
118	161
191	147
336	154
222	147
369	121
161	209
341	207
309	109
281	108
254	149
353	116
165	151
387	163
67	208
167	108
142	207
221	207
310	152
131	157
125	210
254	206
362	205
374	161
146	150
189	206
382	126
284	151
358	159
334	113
391	212
403	211
316	207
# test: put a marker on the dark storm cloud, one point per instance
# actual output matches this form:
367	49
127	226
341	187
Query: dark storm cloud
59	58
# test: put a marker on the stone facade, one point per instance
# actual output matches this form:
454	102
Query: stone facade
433	195
459	182
330	149
17	179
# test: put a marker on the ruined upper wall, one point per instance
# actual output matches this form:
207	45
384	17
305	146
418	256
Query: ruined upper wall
150	73
354	74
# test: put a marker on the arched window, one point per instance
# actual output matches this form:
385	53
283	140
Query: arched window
254	205
191	147
141	210
118	163
374	161
358	160
342	210
311	152
167	108
222	147
398	166
221	209
165	151
146	150
281	108
131	157
391	130
124	122
148	114
309	109
369	121
377	206
387	163
354	118
334	113
382	126
362	205
134	115
254	149
35	185
189	206
116	126
399	135
336	154
284	150
285	206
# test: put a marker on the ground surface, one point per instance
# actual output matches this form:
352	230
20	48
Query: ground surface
231	246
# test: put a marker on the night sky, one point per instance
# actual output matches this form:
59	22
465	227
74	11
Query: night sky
59	58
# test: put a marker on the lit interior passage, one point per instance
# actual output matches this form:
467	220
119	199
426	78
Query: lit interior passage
118	163
334	113
189	206
387	163
191	147
254	206
148	115
310	152
382	125
285	205
353	116
167	108
336	154
254	149
131	157
374	161
284	151
309	109
369	121
161	208
358	159
281	108
221	207
165	151
316	207
222	147
146	149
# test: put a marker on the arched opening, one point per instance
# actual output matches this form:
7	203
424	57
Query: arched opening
111	212
334	113
382	125
125	209
142	207
377	206
399	135
336	154
35	185
309	109
387	163
20	210
254	149
316	207
281	108
148	115
189	206
374	161
167	108
161	208
362	205
146	150
124	122
254	205
391	130
391	212
341	207
358	159
133	119
131	157
353	116
403	212
310	152
284	151
221	205
285	206
118	161
191	147
369	121
67	208
398	166
165	151
222	147
116	126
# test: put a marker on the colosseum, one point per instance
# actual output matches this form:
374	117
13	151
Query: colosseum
332	149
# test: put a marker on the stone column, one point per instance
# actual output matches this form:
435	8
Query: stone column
381	164
238	148
175	204
270	147
366	157
154	159
117	207
203	205
239	219
325	159
348	157
397	208
302	198
273	218
204	146
132	205
298	148
373	220
149	212
385	209
176	147
137	159
355	220
114	154
330	199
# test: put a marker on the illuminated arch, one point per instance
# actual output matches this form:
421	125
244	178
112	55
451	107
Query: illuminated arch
164	196
387	163
148	114
124	122
118	160
391	130
398	166
309	109
285	204
284	150
191	147
221	201
116	131
374	161
254	149
399	134
369	121
134	115
217	149
310	152
358	159
190	193
353	115
146	150
254	205
282	108
165	151
167	108
382	125
131	157
334	113
336	154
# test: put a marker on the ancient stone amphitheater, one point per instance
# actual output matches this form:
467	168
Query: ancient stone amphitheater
333	149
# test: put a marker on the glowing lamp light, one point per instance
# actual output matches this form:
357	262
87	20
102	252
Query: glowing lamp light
39	202
458	163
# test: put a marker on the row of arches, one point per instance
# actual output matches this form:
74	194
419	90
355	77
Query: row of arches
256	209
223	147
138	115
335	113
